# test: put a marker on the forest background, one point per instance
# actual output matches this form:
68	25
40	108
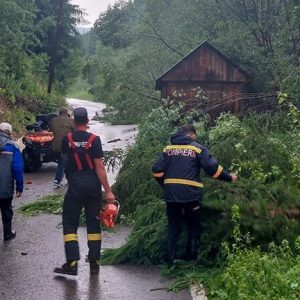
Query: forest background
134	42
39	57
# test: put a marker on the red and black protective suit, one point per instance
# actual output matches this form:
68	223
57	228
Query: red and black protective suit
84	191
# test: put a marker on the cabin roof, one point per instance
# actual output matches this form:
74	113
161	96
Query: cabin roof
203	44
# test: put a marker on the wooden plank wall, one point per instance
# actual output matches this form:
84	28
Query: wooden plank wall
205	65
222	81
221	96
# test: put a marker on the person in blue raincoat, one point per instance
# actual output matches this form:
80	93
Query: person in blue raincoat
11	178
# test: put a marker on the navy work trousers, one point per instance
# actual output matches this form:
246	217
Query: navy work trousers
190	214
84	192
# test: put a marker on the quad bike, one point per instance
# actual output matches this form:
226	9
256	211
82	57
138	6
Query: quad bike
38	144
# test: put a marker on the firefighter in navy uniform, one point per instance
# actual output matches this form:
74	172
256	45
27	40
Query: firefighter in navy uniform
85	173
178	172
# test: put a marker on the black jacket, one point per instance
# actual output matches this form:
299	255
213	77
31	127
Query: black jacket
178	169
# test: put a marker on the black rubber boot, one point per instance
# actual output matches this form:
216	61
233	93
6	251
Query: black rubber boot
69	268
9	235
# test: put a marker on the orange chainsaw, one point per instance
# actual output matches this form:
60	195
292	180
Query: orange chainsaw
108	215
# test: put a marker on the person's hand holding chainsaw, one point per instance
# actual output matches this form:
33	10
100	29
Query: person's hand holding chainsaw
109	197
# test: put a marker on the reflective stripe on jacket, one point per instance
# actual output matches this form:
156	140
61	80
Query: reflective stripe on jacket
178	169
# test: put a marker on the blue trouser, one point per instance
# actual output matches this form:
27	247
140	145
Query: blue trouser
60	169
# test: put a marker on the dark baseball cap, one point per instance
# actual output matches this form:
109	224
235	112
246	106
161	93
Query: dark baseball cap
188	128
80	115
63	111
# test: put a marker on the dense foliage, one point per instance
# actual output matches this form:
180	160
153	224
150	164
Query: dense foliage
239	259
253	274
39	49
134	42
261	149
247	272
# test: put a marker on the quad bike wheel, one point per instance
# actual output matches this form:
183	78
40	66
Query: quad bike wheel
30	163
27	162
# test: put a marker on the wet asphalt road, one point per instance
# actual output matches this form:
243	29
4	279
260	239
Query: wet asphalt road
26	263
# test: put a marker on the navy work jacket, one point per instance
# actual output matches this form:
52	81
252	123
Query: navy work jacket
178	169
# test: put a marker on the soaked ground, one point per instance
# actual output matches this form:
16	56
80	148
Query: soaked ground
26	263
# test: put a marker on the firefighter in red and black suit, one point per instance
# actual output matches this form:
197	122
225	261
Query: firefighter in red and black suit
86	174
178	172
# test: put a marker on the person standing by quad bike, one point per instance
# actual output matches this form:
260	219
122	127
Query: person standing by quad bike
60	126
85	173
11	171
177	170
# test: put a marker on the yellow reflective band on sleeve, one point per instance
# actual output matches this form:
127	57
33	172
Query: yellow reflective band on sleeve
94	237
218	173
183	181
70	237
183	147
158	175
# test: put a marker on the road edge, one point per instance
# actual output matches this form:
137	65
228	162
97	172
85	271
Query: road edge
198	293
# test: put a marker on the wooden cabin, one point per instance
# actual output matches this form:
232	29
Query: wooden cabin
207	79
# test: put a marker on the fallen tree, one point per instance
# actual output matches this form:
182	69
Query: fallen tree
262	149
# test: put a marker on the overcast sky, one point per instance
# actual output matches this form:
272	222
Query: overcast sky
93	8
